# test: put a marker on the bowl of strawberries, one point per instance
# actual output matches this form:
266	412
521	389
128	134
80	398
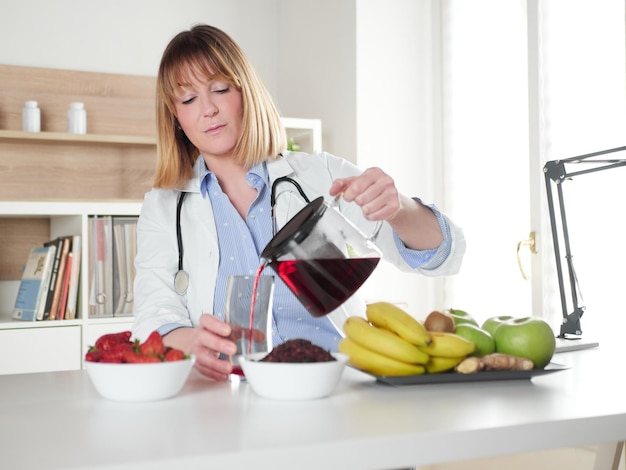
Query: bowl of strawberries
122	369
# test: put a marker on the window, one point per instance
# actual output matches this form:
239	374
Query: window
525	82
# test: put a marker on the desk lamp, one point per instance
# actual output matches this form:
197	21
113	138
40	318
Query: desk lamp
557	171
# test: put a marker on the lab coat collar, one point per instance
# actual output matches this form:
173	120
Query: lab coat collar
276	167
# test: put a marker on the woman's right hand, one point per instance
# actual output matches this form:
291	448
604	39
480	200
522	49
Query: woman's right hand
206	341
211	339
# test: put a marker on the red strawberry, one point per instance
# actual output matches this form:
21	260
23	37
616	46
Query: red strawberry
117	353
174	355
93	355
153	345
131	356
108	341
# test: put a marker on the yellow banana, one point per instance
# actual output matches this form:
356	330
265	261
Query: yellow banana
447	345
387	315
374	363
438	364
382	341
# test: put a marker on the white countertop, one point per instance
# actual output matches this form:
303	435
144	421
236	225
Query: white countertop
57	420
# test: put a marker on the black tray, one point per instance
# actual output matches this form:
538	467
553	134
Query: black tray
455	377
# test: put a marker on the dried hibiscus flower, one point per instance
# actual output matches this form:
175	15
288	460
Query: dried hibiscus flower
298	350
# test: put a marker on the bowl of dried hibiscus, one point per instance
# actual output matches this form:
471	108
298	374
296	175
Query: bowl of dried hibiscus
294	370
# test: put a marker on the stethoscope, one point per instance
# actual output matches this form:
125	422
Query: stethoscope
181	278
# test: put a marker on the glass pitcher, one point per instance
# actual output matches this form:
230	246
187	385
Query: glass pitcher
322	257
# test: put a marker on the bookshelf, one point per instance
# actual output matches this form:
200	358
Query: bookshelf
52	182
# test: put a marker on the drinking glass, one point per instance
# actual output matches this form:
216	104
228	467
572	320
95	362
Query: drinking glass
251	327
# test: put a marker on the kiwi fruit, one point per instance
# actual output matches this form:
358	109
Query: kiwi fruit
439	321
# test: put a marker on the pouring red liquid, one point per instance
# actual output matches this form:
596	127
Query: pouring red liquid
244	294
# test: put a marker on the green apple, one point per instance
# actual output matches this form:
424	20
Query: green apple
529	337
490	324
483	341
461	316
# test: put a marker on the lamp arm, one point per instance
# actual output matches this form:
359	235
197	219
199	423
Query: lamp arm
555	171
571	322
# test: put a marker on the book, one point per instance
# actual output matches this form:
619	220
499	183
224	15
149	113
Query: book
58	244
125	250
65	287
101	266
72	294
45	283
34	283
58	286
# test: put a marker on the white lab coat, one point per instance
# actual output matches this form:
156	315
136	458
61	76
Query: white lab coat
157	303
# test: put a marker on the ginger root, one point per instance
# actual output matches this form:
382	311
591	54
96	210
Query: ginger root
470	365
493	361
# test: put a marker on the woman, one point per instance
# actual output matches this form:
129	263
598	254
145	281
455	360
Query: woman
222	145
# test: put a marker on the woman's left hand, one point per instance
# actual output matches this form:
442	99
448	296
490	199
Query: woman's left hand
373	190
376	193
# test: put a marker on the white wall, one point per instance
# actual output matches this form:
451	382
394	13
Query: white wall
128	37
317	60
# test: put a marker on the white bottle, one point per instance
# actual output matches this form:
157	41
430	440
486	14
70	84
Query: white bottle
77	119
31	117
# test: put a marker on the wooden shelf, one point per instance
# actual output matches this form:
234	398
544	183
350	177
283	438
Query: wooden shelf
63	207
307	132
10	324
82	138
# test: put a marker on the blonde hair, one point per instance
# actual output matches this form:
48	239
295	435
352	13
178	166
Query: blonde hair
207	52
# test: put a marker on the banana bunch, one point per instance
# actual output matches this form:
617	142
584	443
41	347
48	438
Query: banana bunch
387	342
446	350
389	316
390	342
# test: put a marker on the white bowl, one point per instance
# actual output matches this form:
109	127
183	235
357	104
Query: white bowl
292	380
139	382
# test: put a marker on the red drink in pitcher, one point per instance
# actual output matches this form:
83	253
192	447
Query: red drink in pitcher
322	285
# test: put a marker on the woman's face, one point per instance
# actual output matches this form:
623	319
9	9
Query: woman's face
210	113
